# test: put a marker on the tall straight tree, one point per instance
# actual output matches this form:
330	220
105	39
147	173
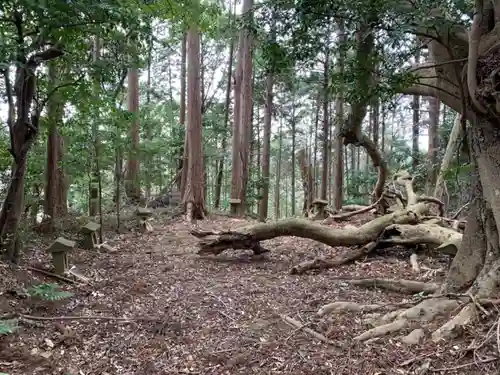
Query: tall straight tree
326	126
181	182
241	155
220	165
56	188
132	186
194	193
416	124
338	171
266	139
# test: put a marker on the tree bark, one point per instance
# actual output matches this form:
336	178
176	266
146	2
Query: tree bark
326	127
220	166
338	172
432	171
266	139
181	182
132	186
56	184
246	106
194	194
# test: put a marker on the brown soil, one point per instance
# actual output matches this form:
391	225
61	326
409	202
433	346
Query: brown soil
216	315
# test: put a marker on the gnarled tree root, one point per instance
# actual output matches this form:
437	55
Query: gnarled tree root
397	319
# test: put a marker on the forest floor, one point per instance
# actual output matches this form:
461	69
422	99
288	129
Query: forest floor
217	315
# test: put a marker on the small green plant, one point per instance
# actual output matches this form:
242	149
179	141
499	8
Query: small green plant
49	292
8	327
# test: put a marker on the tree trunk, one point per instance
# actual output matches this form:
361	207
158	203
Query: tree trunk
450	151
193	196
277	192
149	130
94	178
181	182
236	170
132	186
266	139
246	106
415	153
433	150
220	166
56	185
326	128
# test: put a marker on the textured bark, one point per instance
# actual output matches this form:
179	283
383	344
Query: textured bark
266	141
451	148
181	182
432	171
193	196
246	107
56	187
277	192
235	145
132	185
220	165
338	172
94	178
326	128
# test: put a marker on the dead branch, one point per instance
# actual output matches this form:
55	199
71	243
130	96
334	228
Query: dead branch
50	274
322	263
296	324
250	237
90	317
347	215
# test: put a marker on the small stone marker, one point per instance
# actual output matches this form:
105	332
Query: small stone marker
143	217
319	208
59	250
234	203
89	231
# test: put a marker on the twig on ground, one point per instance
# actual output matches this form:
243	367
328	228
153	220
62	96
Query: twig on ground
486	360
90	317
296	324
296	330
50	274
456	214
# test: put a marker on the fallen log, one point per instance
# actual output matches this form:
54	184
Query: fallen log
429	234
250	237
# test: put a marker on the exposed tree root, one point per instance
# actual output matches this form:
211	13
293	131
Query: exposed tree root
341	306
401	286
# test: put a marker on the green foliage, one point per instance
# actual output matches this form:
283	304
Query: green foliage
49	292
8	327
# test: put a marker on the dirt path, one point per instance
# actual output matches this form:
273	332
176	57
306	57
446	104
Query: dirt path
218	315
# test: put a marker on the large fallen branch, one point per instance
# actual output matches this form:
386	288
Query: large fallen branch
430	234
251	236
